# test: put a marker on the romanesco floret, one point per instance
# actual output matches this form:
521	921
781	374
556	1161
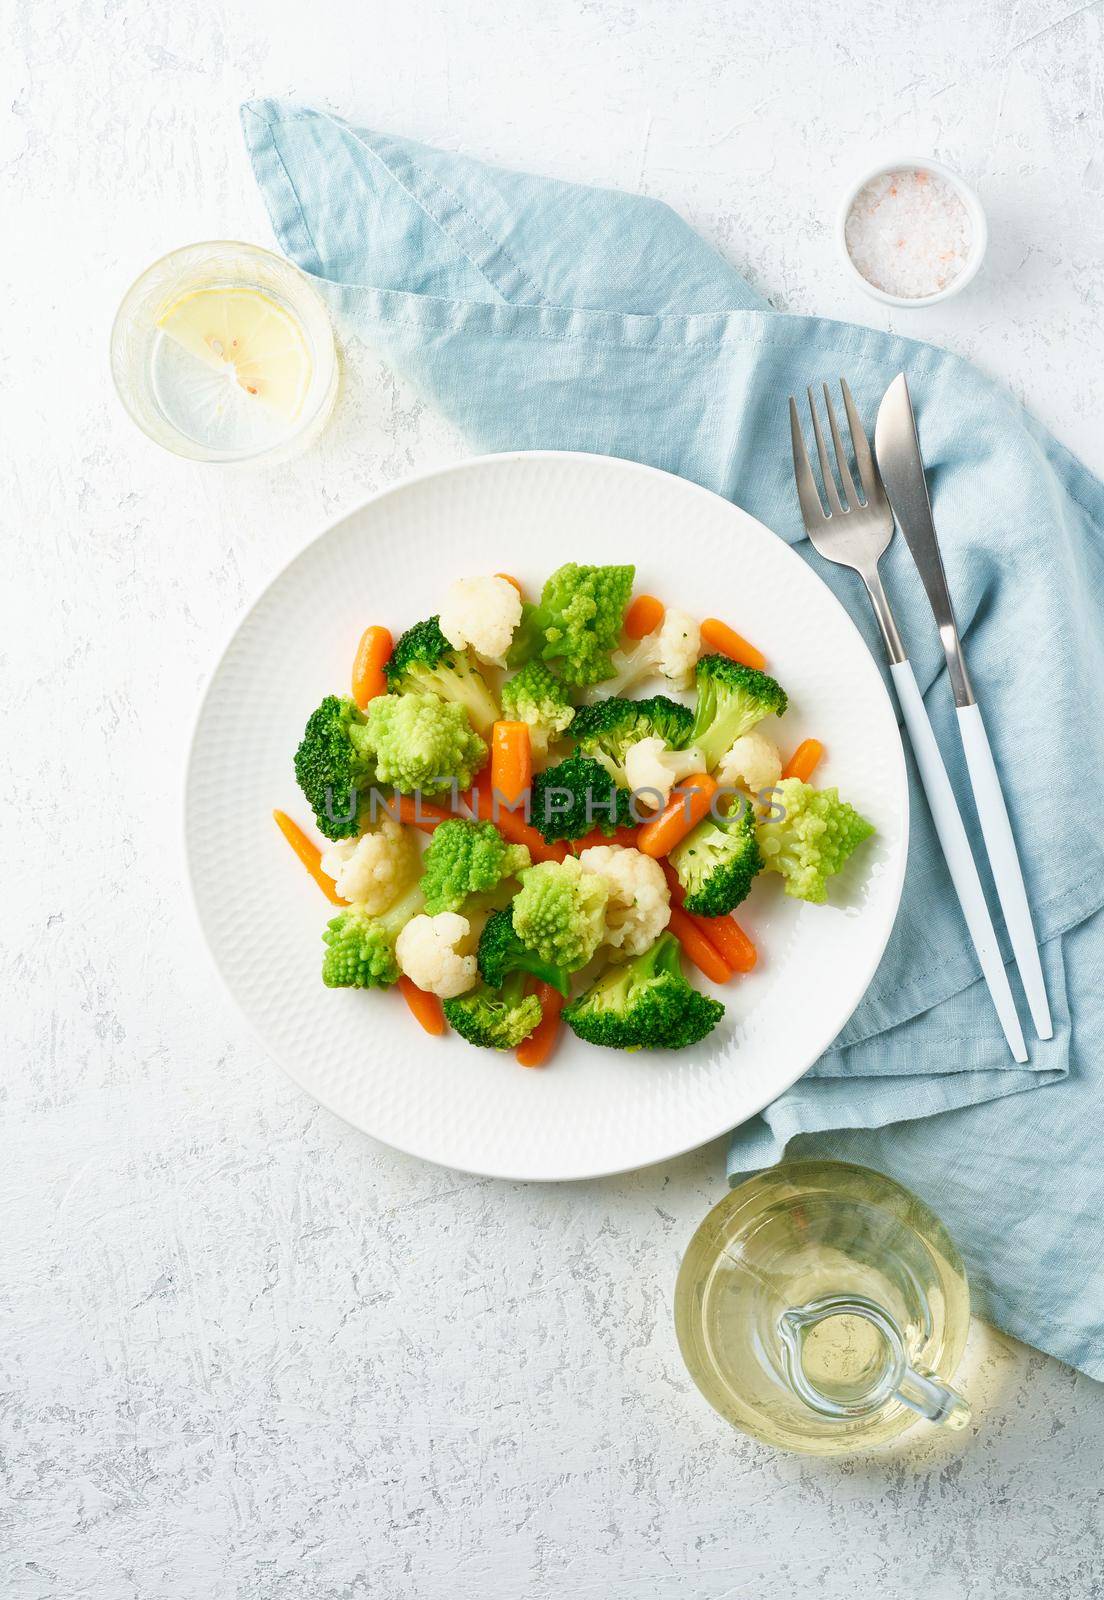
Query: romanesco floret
333	765
373	871
645	1004
577	623
481	614
639	904
670	651
574	797
467	858
731	699
502	952
496	1019
360	949
813	840
536	697
424	662
716	863
560	912
422	743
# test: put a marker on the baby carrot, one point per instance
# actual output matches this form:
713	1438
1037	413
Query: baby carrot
644	616
511	760
374	650
419	813
725	933
309	854
480	796
804	761
705	955
535	1051
425	1007
685	809
511	579
719	636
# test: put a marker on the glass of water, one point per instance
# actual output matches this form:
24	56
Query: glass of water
224	352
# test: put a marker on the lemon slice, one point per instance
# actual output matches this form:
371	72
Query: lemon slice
249	338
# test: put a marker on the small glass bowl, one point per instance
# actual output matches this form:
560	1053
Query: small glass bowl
979	232
137	341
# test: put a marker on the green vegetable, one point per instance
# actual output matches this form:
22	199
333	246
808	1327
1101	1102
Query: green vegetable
570	799
813	840
423	662
496	1019
606	729
465	859
577	623
332	764
422	743
560	912
360	949
502	952
731	700
717	862
645	1005
537	697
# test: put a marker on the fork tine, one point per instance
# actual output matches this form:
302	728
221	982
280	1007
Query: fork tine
869	476
826	471
841	454
812	510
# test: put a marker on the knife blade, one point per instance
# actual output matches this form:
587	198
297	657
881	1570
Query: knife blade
897	447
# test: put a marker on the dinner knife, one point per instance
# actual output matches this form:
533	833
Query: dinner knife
897	447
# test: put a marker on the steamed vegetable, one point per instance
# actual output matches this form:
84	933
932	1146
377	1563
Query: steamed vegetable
496	1019
467	858
752	764
421	743
577	623
646	1004
608	729
686	808
731	700
481	614
813	840
726	641
501	952
333	764
639	903
536	697
369	676
374	870
717	862
433	953
424	662
569	800
804	761
309	854
360	948
670	652
560	912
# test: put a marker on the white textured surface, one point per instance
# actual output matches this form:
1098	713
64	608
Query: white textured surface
246	1352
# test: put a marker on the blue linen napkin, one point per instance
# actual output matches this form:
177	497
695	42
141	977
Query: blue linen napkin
539	314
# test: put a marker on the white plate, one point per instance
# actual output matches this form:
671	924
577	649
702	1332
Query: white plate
590	1111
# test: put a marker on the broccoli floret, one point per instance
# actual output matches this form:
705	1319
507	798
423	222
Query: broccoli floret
560	912
423	662
606	729
422	743
537	697
813	840
360	949
577	623
731	700
646	1004
496	1019
502	952
332	764
465	859
575	796
717	862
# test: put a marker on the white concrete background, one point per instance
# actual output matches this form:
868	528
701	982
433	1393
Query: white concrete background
247	1352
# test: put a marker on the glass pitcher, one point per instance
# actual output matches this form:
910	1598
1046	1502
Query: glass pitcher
821	1307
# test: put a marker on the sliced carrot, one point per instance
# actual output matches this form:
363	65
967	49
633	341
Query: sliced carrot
511	760
719	636
419	813
372	654
480	796
535	1051
511	579
804	761
644	616
685	809
513	826
705	955
725	933
425	1006
309	854
624	836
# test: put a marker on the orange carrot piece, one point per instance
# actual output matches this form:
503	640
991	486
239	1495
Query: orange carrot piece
373	652
624	836
644	616
723	932
685	809
511	760
480	797
535	1051
705	955
720	637
309	854
419	813
425	1007
511	579
804	761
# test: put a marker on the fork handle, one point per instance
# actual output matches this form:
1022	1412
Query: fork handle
956	848
1004	859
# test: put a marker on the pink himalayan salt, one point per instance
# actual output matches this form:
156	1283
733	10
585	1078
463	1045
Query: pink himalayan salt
908	233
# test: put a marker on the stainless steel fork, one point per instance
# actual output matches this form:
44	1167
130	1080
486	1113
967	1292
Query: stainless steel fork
855	532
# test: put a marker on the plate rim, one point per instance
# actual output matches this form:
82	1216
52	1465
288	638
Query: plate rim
469	463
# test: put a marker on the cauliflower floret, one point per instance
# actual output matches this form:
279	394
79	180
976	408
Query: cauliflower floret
679	646
375	869
650	768
481	614
639	904
435	953
753	763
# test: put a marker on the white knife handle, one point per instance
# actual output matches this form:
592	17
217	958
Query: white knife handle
1005	862
956	848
